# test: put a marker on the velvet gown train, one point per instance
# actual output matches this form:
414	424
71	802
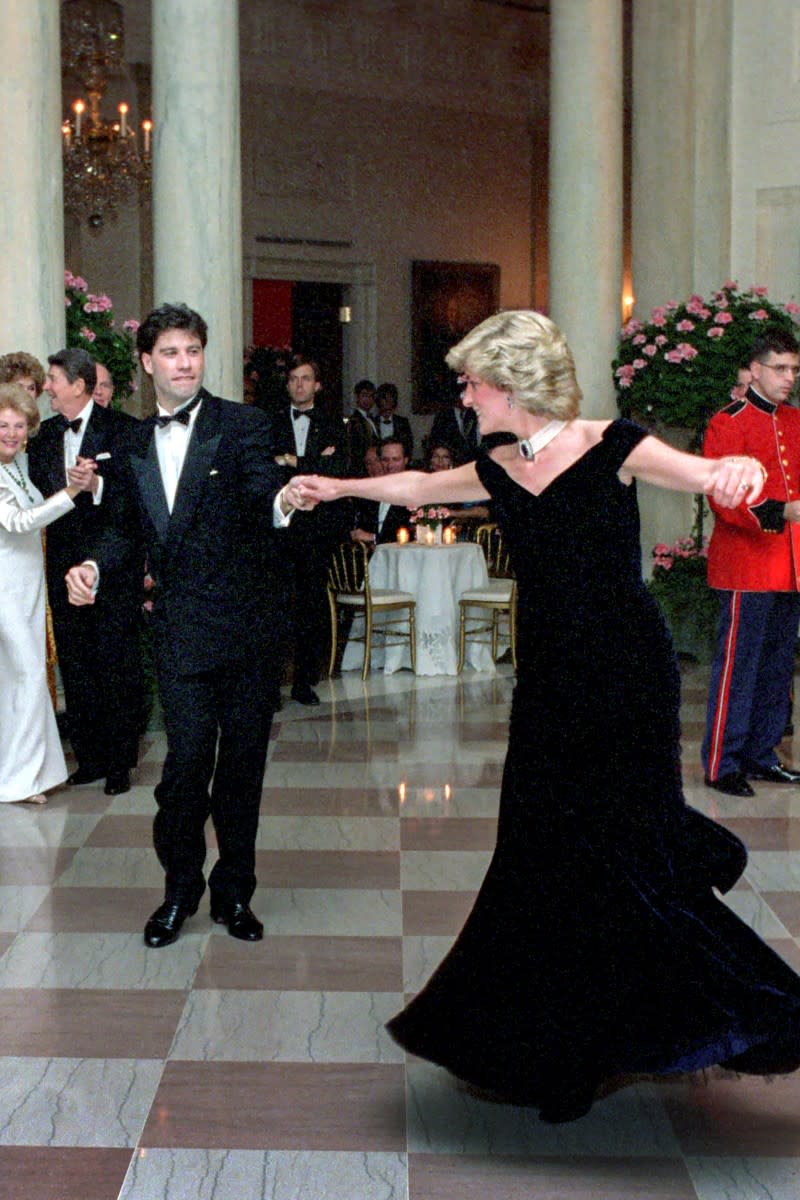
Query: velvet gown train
596	945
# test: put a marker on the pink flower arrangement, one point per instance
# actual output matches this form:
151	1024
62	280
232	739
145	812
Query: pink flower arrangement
433	515
90	322
679	367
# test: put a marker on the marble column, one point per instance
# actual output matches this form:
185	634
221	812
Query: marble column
197	218
586	188
32	214
681	177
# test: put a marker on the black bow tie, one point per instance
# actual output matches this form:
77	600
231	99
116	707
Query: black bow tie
387	421
181	416
297	413
75	425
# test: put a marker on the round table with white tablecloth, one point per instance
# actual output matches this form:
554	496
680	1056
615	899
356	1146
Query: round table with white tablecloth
437	576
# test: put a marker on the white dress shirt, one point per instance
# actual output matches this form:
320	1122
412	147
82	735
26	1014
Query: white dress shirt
73	440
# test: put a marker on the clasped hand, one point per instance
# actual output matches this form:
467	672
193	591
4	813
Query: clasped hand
83	475
735	479
314	489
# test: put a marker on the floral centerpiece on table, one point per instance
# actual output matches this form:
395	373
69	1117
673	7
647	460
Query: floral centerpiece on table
430	515
678	369
91	326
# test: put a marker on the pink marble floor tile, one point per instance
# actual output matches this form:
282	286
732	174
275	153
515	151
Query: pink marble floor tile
329	802
448	833
34	864
94	909
447	1177
86	1023
279	1106
432	913
328	868
741	1117
786	906
338	750
319	964
122	830
765	833
61	1173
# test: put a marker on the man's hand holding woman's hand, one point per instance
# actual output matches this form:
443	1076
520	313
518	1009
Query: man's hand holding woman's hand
81	582
314	489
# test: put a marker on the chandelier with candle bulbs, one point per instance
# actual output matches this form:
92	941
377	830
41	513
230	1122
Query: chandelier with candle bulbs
104	166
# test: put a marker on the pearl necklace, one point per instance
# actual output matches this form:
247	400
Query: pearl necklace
530	447
18	479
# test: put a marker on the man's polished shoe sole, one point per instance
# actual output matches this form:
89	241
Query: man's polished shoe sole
84	775
166	922
118	783
241	921
777	773
734	784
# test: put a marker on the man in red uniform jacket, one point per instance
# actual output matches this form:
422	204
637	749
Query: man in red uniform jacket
754	563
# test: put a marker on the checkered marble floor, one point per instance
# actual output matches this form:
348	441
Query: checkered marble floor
217	1070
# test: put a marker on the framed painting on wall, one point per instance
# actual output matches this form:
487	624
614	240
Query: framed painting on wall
447	300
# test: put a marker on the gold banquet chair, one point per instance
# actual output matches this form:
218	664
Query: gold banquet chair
349	592
485	611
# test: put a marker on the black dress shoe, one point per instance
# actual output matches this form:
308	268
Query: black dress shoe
85	775
733	784
165	924
775	773
304	694
117	782
241	920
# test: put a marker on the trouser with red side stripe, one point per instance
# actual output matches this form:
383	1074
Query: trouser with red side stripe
751	677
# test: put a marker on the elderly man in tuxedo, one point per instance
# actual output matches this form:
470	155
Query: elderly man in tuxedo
98	648
308	440
205	492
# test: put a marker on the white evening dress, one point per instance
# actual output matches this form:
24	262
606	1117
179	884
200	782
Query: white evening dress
31	758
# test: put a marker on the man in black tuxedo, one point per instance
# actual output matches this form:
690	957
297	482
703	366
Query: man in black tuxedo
456	427
308	441
362	431
389	423
201	481
98	647
375	522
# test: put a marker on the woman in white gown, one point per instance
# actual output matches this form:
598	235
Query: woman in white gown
31	758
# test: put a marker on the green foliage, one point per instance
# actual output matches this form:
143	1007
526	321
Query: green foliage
91	326
680	586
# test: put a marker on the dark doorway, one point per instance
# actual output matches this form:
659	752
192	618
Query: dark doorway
304	316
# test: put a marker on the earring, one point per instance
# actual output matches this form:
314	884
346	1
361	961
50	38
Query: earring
510	401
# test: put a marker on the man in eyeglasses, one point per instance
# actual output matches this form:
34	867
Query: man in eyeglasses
754	563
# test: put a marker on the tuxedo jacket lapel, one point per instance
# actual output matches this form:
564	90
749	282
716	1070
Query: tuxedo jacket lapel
150	484
200	455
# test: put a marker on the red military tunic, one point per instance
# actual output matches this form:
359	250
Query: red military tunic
753	549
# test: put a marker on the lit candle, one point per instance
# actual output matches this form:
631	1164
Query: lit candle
147	126
122	109
402	536
449	535
66	129
79	108
430	536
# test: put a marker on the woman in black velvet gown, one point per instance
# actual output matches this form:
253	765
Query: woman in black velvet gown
597	946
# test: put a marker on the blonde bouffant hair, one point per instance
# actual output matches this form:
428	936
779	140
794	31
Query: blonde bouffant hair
523	353
14	396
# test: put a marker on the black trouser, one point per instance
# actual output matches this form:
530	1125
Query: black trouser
100	662
218	724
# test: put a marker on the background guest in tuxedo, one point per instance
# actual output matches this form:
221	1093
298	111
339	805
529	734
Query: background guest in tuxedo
201	483
456	427
390	424
98	647
375	522
372	462
307	439
362	431
104	386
